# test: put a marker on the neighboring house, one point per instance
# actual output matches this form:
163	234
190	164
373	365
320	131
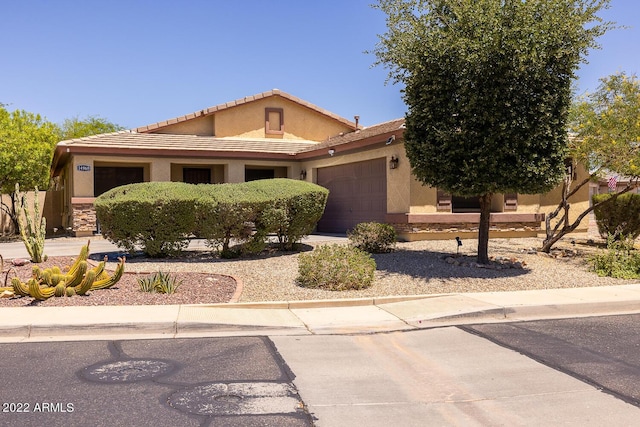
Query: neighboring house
612	183
274	134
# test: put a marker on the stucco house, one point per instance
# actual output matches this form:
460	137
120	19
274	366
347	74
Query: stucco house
275	134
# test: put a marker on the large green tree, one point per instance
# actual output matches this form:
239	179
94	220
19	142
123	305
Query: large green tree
27	142
26	149
605	127
91	125
488	88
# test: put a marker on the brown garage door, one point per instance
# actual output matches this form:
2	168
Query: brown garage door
358	193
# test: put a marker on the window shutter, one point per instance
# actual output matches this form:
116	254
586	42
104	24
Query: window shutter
443	203
510	202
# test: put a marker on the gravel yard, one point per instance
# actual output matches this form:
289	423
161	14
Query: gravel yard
414	268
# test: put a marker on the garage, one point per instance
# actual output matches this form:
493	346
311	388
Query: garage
357	193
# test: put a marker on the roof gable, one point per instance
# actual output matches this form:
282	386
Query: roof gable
156	127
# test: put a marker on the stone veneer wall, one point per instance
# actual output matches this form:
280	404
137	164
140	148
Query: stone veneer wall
84	219
464	227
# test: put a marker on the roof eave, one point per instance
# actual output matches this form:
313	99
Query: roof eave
340	148
174	153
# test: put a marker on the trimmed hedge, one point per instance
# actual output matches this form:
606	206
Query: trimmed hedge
620	218
161	217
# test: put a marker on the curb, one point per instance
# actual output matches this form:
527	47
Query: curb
187	328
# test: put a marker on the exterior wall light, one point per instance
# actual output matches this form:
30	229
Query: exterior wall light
332	151
303	174
393	163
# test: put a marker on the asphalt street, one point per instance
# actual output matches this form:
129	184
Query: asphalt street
481	375
602	351
239	381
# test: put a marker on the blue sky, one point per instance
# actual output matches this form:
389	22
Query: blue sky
136	62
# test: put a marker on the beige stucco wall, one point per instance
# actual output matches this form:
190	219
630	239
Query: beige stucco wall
423	197
202	126
166	169
82	181
248	121
529	203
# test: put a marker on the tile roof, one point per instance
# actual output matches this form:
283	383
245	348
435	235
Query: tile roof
237	102
187	143
163	141
396	125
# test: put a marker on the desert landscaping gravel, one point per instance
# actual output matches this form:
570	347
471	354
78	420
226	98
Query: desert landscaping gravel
414	268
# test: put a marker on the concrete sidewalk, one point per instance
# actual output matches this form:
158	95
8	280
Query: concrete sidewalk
70	246
340	316
354	316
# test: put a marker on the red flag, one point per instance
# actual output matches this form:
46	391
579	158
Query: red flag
613	183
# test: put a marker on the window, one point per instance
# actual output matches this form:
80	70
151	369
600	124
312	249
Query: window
107	177
274	121
462	204
255	174
196	175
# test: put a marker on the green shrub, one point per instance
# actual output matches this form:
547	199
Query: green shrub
223	216
159	282
248	212
620	217
294	209
235	219
373	237
336	268
620	260
157	216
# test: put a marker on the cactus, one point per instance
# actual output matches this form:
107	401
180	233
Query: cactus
19	288
75	278
77	281
87	282
83	256
99	269
46	277
39	293
60	290
110	281
33	232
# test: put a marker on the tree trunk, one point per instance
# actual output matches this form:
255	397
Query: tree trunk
563	226
14	213
483	229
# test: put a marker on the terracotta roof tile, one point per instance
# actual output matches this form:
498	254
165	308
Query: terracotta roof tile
186	143
368	132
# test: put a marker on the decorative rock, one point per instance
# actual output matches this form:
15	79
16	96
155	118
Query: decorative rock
6	294
497	263
19	262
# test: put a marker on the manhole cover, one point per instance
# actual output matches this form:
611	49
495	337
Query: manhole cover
127	371
237	399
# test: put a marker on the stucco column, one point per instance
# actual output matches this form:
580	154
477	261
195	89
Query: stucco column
82	176
160	170
234	172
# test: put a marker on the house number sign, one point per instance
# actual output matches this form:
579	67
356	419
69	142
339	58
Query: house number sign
83	168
